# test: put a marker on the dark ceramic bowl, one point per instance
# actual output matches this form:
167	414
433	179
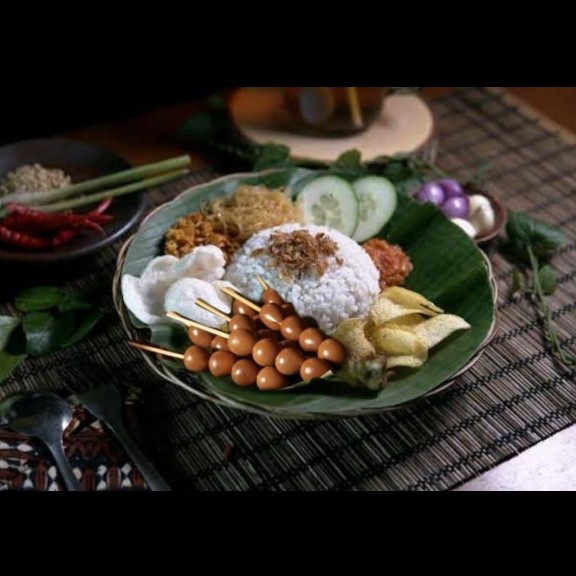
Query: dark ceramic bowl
82	161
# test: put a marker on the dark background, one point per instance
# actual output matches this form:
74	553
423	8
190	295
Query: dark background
26	112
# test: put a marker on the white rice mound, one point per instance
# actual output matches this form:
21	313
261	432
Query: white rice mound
343	291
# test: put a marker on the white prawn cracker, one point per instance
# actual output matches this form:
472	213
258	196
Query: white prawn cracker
145	296
142	302
182	295
204	262
160	270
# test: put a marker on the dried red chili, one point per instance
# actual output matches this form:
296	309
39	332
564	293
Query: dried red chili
102	207
22	240
64	237
25	219
30	229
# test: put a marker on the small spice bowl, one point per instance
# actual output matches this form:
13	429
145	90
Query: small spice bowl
81	161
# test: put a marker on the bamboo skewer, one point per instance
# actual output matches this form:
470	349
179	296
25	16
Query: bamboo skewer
210	308
155	349
234	295
192	324
355	109
263	283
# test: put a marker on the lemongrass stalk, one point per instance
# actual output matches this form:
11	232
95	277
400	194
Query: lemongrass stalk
112	193
38	198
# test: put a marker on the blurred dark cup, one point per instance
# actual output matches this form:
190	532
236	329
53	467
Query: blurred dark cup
336	110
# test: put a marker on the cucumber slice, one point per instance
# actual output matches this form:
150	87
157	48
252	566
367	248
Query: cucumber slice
330	201
377	201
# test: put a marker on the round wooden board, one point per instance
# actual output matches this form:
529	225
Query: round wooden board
405	126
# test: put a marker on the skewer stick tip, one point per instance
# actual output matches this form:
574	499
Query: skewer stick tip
191	324
236	296
203	304
155	349
179	318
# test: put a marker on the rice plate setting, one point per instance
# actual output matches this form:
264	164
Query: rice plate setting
448	270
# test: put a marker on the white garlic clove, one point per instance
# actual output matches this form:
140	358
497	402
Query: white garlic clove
482	215
466	226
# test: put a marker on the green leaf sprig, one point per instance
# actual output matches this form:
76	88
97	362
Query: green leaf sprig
50	319
531	244
406	172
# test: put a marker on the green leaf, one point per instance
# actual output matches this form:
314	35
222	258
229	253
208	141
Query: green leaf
409	185
523	231
84	326
548	279
200	127
404	173
350	161
7	325
217	103
8	362
75	301
273	155
17	342
169	336
396	170
46	332
39	298
213	132
481	173
516	282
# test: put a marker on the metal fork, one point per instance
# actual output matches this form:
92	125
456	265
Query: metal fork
92	386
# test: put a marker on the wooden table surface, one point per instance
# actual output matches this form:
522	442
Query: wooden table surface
550	465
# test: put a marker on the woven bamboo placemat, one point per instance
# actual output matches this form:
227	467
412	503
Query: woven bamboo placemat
514	397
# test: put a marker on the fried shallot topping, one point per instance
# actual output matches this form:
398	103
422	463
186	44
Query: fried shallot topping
299	252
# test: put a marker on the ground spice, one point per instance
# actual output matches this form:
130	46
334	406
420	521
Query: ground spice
33	178
299	252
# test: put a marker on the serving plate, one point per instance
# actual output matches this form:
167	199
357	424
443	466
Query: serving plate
449	269
82	161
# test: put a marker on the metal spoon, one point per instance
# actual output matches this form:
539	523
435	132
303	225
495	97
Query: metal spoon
43	415
98	389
